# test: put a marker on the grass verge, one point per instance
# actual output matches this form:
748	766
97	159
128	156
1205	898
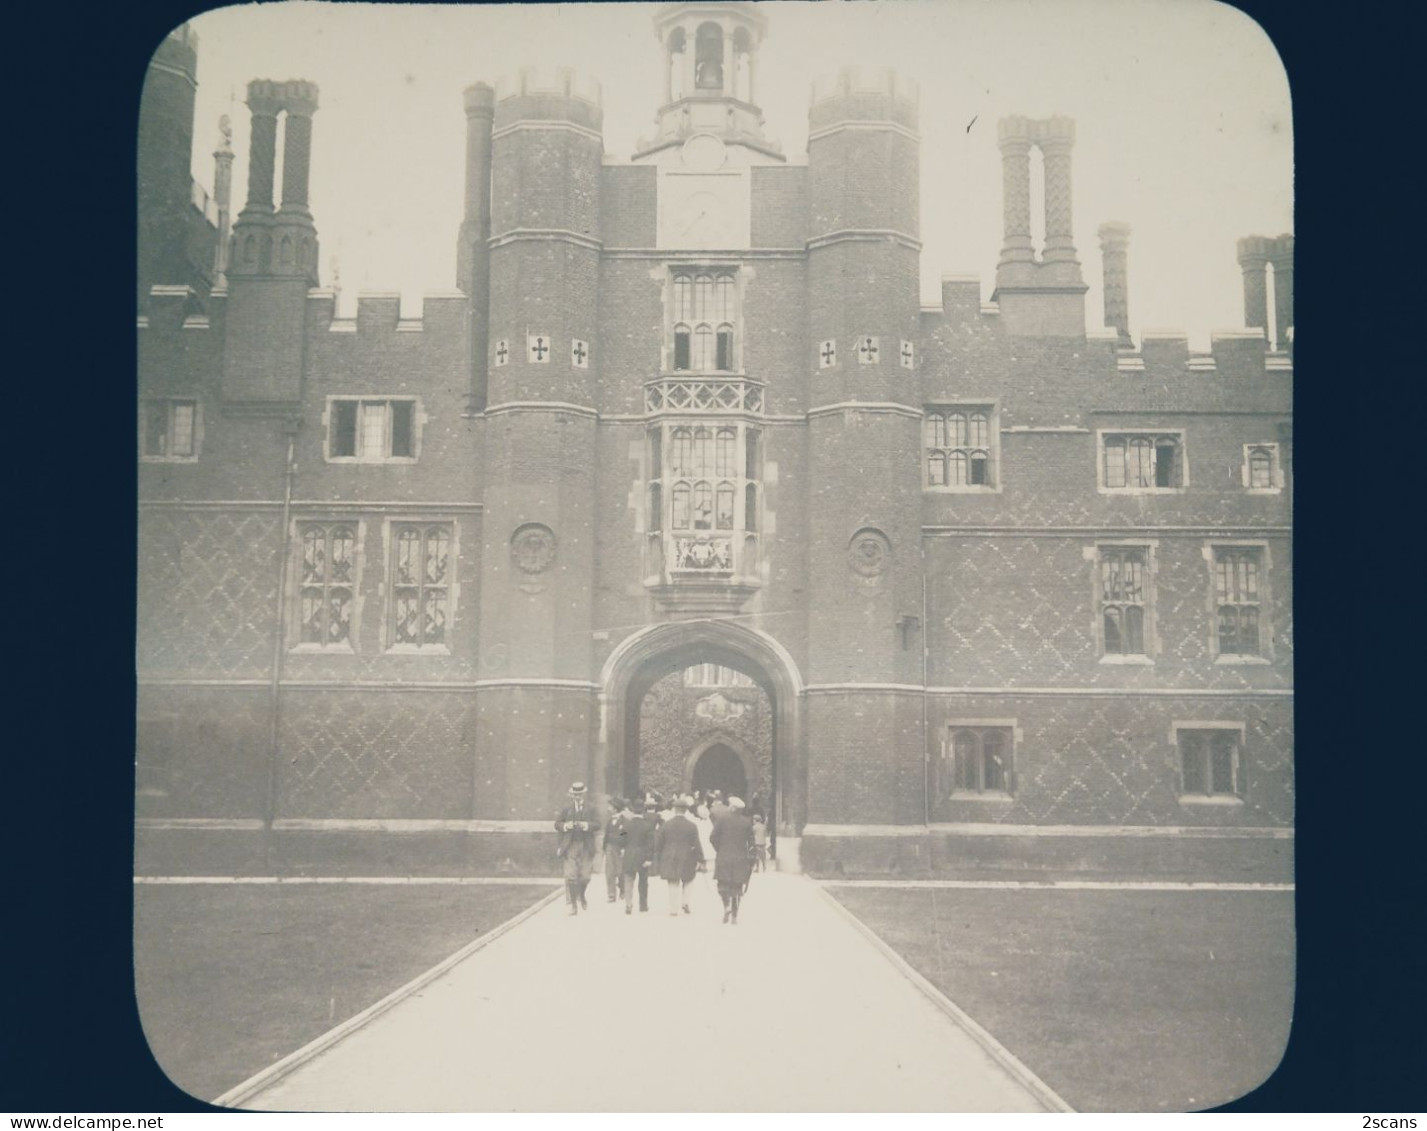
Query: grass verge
231	978
1119	1000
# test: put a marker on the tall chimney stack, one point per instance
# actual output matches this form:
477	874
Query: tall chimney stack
223	198
473	260
1114	248
1281	256
1253	261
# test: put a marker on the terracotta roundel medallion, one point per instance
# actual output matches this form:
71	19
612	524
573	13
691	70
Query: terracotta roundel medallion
868	553
532	548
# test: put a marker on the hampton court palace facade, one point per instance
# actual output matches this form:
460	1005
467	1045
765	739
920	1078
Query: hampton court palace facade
681	484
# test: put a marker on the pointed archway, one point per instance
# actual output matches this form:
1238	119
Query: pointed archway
654	652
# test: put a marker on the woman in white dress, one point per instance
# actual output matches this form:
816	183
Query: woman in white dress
700	816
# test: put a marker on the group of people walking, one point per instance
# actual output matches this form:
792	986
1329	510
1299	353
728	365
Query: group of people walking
673	839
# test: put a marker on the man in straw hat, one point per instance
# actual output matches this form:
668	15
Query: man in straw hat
577	825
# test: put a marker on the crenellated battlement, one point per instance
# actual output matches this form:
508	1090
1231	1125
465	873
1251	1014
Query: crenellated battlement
564	81
380	314
853	80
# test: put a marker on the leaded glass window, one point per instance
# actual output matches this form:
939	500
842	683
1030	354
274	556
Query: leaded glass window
168	429
327	579
1238	599
421	584
371	430
1123	597
1209	761
1144	462
957	446
704	318
704	491
979	761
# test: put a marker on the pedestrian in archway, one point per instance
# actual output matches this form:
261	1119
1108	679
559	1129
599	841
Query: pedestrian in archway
678	855
578	826
613	845
639	833
699	814
718	807
760	843
733	841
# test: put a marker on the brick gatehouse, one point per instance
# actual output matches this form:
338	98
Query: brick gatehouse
967	582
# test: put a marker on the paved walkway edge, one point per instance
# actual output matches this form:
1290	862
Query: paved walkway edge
277	1070
1002	1055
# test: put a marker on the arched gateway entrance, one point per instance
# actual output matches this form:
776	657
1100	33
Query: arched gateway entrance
655	652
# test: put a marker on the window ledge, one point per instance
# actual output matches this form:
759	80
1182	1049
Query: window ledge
323	649
1264	491
1143	490
990	795
1133	660
168	459
367	460
966	489
1214	799
418	650
1231	661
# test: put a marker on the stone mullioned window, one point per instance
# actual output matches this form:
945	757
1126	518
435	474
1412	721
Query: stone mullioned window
1209	761
168	429
959	447
372	429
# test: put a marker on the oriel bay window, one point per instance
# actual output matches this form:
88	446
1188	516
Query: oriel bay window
704	320
704	493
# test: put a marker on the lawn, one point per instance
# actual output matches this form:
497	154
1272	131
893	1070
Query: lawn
1119	1000
231	978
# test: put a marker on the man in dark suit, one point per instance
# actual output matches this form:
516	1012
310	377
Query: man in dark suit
678	854
733	844
577	825
639	833
613	846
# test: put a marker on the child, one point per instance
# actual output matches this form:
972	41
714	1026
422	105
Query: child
760	842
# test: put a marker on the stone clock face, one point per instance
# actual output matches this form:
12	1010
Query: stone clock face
702	220
703	212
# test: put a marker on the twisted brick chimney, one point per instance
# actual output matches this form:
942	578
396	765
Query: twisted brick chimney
1114	248
1281	256
1253	261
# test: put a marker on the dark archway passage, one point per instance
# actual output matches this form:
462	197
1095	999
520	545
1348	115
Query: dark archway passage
719	767
650	655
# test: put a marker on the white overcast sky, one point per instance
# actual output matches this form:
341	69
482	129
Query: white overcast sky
1183	124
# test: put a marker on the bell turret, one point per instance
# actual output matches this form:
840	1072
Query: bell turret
710	77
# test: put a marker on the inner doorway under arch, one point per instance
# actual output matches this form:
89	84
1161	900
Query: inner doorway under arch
719	767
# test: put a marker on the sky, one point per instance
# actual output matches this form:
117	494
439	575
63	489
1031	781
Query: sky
1182	111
